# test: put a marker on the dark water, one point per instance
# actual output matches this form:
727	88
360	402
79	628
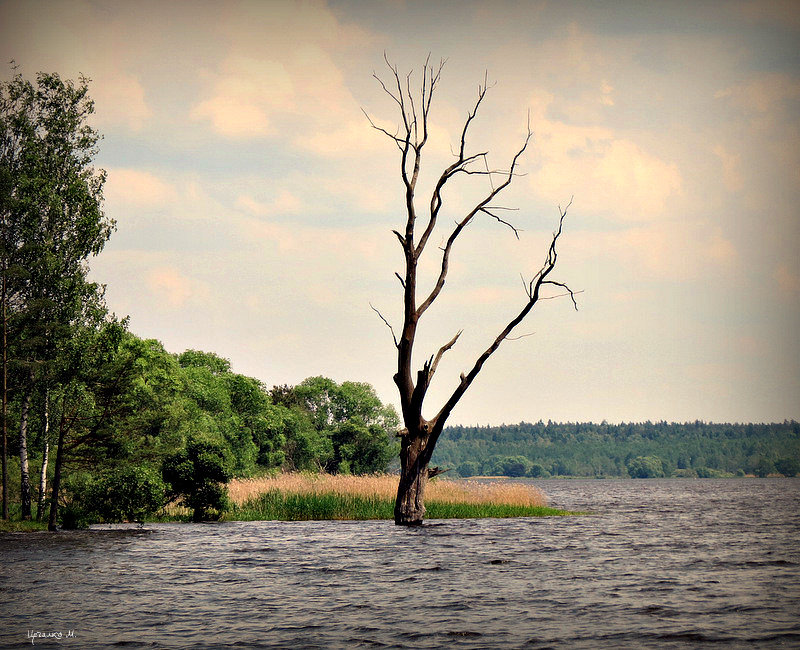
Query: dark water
664	564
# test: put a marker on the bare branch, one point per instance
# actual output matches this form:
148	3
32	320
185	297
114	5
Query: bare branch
533	297
435	363
521	336
466	220
400	277
401	238
393	136
449	172
494	216
385	89
386	322
435	471
569	293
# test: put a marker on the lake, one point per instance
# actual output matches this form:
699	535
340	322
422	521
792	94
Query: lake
659	563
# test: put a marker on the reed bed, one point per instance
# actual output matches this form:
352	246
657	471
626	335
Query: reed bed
294	496
385	486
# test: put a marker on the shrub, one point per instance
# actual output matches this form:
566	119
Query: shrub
468	468
645	467
197	476
126	493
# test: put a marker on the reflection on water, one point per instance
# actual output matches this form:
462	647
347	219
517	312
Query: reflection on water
659	564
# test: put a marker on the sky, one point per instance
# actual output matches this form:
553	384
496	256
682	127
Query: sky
254	203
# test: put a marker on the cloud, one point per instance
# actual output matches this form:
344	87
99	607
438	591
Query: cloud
285	202
616	176
676	251
731	168
173	289
120	99
245	93
263	85
788	281
138	187
764	94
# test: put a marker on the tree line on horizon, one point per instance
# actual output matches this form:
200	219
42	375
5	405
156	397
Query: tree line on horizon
637	450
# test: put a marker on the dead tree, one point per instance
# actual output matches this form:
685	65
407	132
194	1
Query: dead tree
419	436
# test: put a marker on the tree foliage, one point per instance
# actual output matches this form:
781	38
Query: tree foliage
197	476
51	221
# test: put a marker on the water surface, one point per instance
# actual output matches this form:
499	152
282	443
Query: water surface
665	564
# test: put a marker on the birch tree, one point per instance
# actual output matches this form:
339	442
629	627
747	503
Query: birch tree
52	221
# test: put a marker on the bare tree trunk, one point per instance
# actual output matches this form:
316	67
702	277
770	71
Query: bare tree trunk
45	457
25	479
409	508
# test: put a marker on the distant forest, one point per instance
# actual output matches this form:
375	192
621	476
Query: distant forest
643	450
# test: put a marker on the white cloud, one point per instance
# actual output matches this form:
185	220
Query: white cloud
285	202
120	99
764	94
676	251
245	94
138	187
788	281
169	287
616	177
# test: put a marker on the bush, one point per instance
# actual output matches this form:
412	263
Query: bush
127	493
131	494
788	466
197	475
645	467
468	468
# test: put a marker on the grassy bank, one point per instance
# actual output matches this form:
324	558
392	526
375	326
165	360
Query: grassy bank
17	526
308	497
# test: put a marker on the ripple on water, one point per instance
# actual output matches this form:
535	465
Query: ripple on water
662	564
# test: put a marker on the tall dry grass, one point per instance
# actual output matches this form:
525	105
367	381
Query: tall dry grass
385	487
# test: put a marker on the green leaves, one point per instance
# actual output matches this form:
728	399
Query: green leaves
352	430
197	476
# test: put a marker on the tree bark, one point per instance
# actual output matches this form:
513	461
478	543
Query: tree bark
409	508
25	479
45	457
53	517
5	393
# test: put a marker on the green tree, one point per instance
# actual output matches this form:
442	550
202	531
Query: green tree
764	468
645	467
208	383
788	466
354	429
197	476
97	371
468	468
52	221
